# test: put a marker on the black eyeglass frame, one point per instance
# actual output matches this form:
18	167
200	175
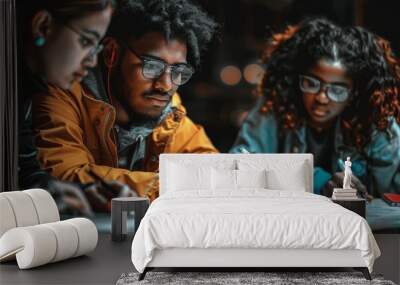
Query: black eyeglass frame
146	59
95	50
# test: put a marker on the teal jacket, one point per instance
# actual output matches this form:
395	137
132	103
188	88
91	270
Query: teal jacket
377	166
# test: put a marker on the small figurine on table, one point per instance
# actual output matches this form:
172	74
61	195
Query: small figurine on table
347	174
346	192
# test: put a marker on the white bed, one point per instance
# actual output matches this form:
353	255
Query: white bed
209	222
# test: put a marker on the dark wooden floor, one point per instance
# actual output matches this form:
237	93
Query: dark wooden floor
102	266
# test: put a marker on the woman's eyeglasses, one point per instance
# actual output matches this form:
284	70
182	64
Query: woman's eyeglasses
86	42
335	92
153	68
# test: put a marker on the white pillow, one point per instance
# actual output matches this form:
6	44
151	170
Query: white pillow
183	178
281	174
223	179
251	178
294	179
234	179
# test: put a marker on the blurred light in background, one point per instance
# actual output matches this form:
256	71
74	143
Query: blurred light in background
230	75
253	73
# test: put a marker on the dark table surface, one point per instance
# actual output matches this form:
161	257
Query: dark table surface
382	218
102	266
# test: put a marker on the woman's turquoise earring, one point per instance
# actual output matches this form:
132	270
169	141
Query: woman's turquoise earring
39	41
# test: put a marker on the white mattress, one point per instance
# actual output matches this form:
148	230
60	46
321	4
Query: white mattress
252	218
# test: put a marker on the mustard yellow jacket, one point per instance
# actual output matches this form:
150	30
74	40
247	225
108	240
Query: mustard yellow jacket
74	134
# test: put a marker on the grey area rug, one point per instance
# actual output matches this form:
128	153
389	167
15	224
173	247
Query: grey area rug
233	278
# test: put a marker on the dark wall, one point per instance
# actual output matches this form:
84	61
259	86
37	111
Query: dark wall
8	97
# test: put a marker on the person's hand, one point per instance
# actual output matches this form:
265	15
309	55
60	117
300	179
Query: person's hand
99	195
327	189
122	189
72	198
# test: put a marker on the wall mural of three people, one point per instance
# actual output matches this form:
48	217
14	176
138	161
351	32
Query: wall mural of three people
107	86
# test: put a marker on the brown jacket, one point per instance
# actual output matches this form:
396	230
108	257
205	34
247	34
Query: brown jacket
74	134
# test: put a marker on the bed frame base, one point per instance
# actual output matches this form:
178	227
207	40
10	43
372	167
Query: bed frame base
364	270
239	259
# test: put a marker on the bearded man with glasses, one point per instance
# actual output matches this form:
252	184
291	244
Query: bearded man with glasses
127	111
331	91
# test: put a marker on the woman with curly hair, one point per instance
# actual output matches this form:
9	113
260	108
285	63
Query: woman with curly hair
331	91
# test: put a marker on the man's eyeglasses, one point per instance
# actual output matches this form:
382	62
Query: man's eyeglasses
335	92
153	68
86	42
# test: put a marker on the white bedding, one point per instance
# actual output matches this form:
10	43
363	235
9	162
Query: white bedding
251	218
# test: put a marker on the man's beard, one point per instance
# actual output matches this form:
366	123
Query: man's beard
135	117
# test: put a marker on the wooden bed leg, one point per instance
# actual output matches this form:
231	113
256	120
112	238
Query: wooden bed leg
143	274
364	271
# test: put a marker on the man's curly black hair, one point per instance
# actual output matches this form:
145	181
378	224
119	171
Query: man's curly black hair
368	59
175	19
